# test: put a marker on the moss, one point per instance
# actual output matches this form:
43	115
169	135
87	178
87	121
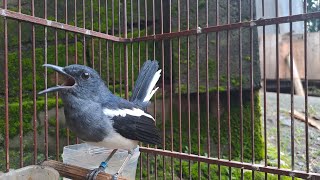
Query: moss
235	142
202	89
273	158
212	68
27	66
235	121
235	81
194	170
27	110
213	42
235	128
15	158
247	58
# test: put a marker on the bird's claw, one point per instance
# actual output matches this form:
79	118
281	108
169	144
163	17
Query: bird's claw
115	176
94	173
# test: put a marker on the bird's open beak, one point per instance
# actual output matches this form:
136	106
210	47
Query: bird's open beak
68	83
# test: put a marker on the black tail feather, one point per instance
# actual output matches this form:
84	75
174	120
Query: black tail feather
142	84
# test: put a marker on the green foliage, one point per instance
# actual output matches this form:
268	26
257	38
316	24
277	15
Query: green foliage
313	24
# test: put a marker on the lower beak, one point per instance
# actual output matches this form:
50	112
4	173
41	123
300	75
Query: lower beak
56	88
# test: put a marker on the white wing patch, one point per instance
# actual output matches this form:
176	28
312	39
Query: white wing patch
153	82
124	112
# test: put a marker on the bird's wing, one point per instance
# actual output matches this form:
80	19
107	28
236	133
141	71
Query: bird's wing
134	124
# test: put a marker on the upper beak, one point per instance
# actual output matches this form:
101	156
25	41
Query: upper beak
56	88
56	68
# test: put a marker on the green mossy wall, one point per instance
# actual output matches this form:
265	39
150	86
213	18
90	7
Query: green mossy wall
235	128
194	171
14	116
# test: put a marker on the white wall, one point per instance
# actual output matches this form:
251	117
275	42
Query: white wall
283	5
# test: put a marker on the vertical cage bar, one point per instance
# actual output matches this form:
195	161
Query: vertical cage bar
66	33
292	90
67	55
35	143
46	139
179	92
228	88
278	88
139	54
107	45
125	49
188	87
251	89
57	81
99	40
6	86
198	90
305	42
139	31
264	93
170	100
207	90
76	43
240	90
163	92
155	95
91	13
113	61
132	54
155	118
20	89
146	52
92	39
75	35
146	24
218	85
119	45
154	28
84	27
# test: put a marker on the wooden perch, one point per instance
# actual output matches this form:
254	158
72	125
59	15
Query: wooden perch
74	172
300	116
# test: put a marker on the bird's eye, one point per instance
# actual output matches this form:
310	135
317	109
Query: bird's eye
85	75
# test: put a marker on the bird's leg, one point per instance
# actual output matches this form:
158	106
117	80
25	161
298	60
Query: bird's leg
115	176
94	173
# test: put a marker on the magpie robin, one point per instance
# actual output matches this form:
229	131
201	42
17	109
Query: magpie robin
103	119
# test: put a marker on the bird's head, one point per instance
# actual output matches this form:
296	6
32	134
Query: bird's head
78	79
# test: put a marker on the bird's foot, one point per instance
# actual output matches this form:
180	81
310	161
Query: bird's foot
94	173
115	176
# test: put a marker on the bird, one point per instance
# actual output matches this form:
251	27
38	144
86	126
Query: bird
101	118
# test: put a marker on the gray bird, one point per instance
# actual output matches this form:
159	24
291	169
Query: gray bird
103	119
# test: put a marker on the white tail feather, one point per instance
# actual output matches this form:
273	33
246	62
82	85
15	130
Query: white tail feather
154	81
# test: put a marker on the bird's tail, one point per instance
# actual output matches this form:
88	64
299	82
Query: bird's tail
144	86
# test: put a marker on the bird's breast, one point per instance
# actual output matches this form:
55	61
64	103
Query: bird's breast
115	141
86	120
